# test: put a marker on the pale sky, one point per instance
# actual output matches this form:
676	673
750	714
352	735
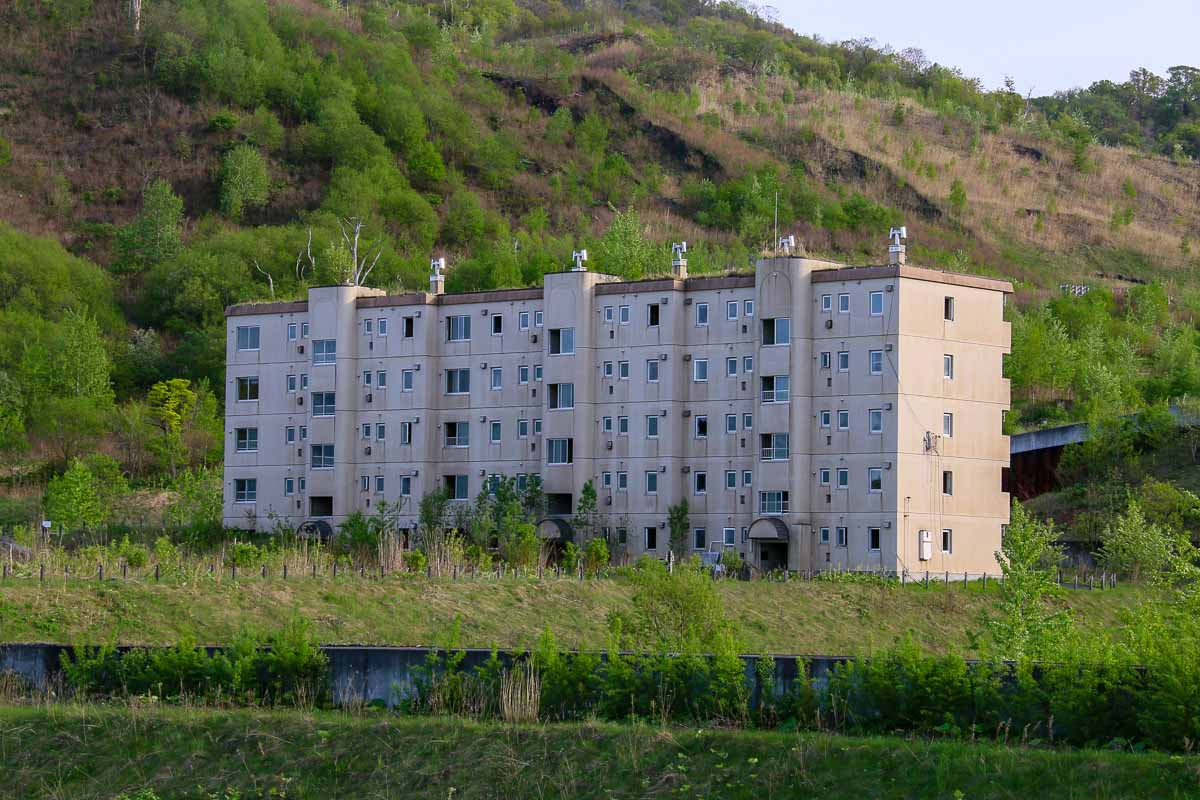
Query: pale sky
1046	45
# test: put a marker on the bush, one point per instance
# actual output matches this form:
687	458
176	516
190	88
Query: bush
223	121
245	182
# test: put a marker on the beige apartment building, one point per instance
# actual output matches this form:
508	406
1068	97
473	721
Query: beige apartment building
814	416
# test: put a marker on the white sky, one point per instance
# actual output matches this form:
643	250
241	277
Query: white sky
1045	45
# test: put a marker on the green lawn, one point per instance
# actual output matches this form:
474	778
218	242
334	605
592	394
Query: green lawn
841	618
96	752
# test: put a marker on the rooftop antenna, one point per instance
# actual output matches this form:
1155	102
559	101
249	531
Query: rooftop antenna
678	262
785	244
437	281
896	250
579	256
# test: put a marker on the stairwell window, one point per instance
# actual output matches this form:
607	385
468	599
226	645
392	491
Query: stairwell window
562	341
247	389
247	440
458	434
321	456
245	490
948	367
875	304
948	425
874	479
776	388
458	328
323	404
773	502
560	451
458	381
562	396
700	370
947	482
774	446
776	331
247	337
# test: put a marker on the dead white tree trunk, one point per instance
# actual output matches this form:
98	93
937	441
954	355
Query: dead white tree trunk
361	269
301	267
270	280
135	15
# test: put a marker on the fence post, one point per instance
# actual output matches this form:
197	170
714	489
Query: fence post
335	570
264	571
124	570
902	577
156	572
42	573
1076	580
6	571
985	581
285	571
1060	576
233	572
314	569
965	578
946	579
100	572
926	579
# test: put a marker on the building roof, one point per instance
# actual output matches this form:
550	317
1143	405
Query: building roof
912	273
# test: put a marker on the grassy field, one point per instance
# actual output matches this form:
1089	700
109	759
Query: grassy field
839	618
95	752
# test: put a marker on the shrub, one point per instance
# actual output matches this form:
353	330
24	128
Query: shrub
223	121
416	561
243	555
245	182
5	152
595	555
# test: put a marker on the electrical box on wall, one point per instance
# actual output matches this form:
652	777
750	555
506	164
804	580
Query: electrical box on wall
926	545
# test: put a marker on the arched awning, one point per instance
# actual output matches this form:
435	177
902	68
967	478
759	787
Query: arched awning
317	529
769	529
555	528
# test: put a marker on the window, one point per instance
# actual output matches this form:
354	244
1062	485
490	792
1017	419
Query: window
608	315
622	481
291	331
407	377
522	428
406	486
731	367
366	430
245	490
381	325
843	478
652	315
322	456
622	426
948	309
622	535
873	539
747	422
947	482
699	539
827	302
623	370
379	478
947	540
823	476
304	433
497	325
458	434
381	379
537	372
247	440
875	420
728	536
406	433
458	329
747	477
777	331
366	483
456	487
368	327
458	381
700	370
749	308
366	377
323	404
824	535
606	424
843	304
842	536
289	486
844	361
562	396
700	483
773	502
875	357
495	432
843	419
608	369
651	535
774	446
948	425
826	360
651	482
776	388
826	418
731	479
523	374
537	427
497	379
874	479
606	480
537	319
652	370
380	431
409	327
651	426
701	427
623	315
731	309
562	341
875	304
247	389
731	423
747	364
289	434
560	451
291	383
523	320
247	337
303	330
701	314
948	367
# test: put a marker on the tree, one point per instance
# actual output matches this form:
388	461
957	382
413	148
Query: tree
154	236
624	249
12	422
171	403
678	524
1189	410
132	425
681	612
958	197
198	503
69	424
1137	547
245	182
72	499
587	514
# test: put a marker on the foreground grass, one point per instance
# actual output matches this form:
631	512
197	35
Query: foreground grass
96	752
834	618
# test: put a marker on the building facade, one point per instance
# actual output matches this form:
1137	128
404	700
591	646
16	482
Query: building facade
814	416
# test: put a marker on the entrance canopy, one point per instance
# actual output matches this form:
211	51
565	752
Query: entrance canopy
554	528
769	529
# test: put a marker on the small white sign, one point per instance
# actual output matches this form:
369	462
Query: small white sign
47	524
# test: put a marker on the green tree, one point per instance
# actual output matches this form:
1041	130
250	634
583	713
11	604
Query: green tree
245	181
624	249
678	524
154	235
198	504
958	197
172	402
73	500
587	514
681	612
12	421
69	425
1137	547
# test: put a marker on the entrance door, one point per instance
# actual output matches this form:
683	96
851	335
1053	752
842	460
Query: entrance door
772	556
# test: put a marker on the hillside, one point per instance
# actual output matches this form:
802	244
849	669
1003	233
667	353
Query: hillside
151	177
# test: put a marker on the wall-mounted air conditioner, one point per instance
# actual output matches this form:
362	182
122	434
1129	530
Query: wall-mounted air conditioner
829	324
687	301
367	450
686	470
299	348
299	399
687	356
608	445
687	412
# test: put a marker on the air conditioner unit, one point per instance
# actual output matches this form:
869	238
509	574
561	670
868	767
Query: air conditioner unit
299	399
687	470
687	356
888	347
483	418
887	523
533	338
663	468
829	324
300	348
662	356
887	406
416	420
482	472
416	472
416	367
687	301
367	450
687	412
483	365
369	397
483	313
608	500
887	465
608	445
889	288
662	413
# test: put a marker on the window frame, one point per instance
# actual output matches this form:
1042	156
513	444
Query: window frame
256	330
872	297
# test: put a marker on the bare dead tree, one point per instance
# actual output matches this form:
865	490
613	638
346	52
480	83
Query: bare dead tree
135	15
361	269
301	267
270	280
